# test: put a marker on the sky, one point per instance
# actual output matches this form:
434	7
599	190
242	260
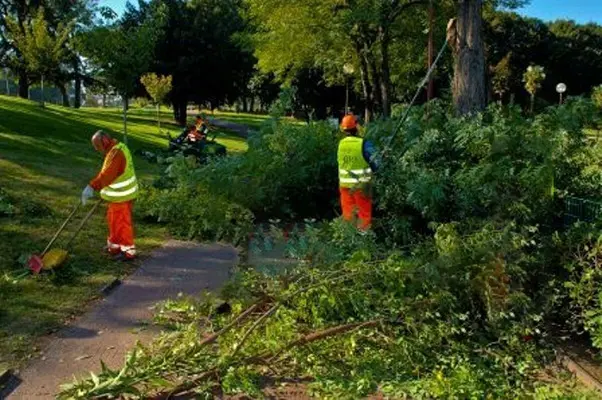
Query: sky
582	11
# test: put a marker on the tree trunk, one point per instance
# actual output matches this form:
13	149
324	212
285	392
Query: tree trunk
376	82
125	119
104	100
252	104
430	91
245	104
42	87
64	94
532	102
77	101
385	80
180	110
177	112
366	87
23	85
159	116
469	70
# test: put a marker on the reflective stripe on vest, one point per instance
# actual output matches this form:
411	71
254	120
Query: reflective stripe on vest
354	170
125	187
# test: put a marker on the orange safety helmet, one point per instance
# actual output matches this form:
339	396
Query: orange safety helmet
349	122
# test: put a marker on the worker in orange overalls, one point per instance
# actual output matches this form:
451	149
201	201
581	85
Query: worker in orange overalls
356	159
118	186
202	124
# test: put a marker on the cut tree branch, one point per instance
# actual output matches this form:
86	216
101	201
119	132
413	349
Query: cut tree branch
236	321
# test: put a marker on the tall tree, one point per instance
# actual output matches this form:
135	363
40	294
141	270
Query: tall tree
43	51
568	51
465	38
327	34
21	12
201	48
123	53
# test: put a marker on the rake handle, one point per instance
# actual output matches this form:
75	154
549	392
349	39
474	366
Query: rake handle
81	225
58	232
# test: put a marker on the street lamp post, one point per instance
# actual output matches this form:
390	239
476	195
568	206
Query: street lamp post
560	89
348	70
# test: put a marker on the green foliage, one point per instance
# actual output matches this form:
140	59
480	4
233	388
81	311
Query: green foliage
533	78
597	96
195	213
559	46
42	49
288	172
501	76
427	334
124	53
141	102
157	86
497	165
581	249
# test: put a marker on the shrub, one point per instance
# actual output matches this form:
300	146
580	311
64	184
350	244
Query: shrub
497	166
141	102
194	213
597	96
289	172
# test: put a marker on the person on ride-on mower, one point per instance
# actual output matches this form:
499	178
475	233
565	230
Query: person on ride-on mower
202	125
183	136
195	136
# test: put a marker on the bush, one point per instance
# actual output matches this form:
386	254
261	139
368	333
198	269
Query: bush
497	166
141	102
289	172
194	213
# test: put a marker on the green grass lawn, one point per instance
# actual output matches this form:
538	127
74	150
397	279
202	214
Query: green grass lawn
45	161
252	120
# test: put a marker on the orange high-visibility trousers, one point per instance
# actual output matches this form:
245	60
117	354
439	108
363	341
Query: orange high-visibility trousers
356	204
121	230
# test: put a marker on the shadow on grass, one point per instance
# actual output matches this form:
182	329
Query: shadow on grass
35	139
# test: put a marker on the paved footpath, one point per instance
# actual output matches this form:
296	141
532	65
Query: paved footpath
109	330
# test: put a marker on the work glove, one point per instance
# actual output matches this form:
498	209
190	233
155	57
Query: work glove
87	194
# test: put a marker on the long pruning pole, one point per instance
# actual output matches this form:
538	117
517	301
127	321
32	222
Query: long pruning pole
430	91
125	119
420	87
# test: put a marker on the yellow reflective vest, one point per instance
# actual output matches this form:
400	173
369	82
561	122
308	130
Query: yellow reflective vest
354	170
125	187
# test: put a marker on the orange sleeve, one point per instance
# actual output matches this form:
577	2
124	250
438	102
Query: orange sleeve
112	168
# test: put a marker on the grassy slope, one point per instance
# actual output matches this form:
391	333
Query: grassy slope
45	161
